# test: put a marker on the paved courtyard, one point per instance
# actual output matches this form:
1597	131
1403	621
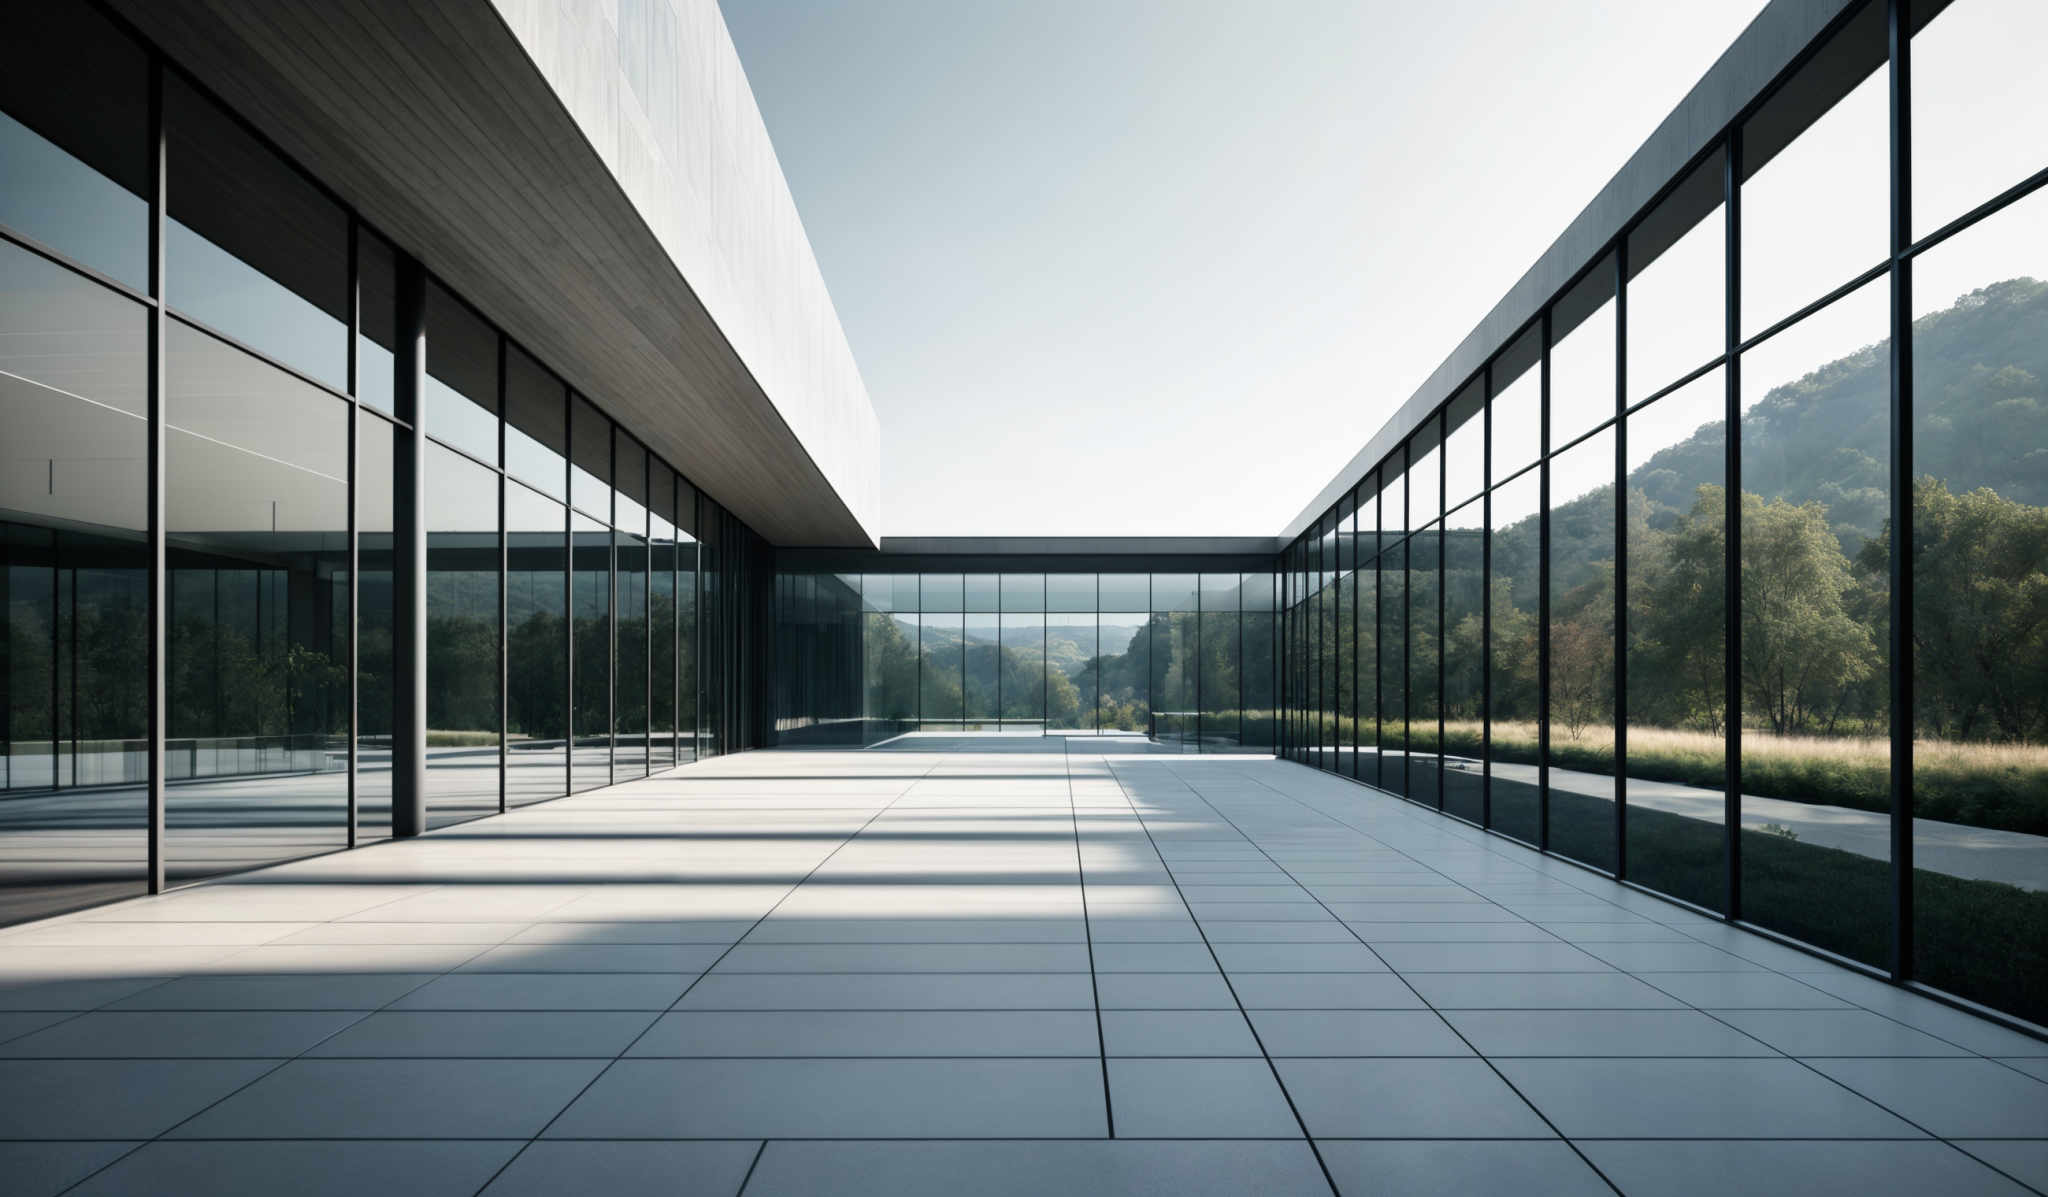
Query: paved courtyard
975	965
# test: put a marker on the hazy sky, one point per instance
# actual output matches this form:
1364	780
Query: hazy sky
1113	267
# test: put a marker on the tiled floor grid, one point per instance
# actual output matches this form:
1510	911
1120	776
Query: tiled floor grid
990	966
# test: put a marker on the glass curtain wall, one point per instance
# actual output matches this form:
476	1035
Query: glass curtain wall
283	434
1733	668
1189	659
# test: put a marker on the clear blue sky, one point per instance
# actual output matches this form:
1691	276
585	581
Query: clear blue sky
1113	267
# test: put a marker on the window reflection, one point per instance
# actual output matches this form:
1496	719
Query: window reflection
463	743
536	647
257	619
590	661
1580	749
1513	751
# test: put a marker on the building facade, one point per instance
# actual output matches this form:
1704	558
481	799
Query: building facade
413	412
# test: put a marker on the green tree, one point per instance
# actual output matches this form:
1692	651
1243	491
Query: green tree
1800	645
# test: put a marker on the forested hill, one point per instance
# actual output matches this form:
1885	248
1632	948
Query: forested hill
1979	370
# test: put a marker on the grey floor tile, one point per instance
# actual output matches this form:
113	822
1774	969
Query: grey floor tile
1670	957
1298	958
698	931
1837	1033
296	992
1153	958
1107	928
1163	991
311	1169
371	1099
1263	912
907	958
487	1033
1376	933
1459	1168
1956	1099
1424	912
1278	933
2025	1160
14	1026
1177	1033
1602	1033
1539	991
1490	958
1406	1099
548	991
1744	991
1106	1168
1324	991
892	991
1711	1168
1198	1099
1356	1033
76	994
906	1033
594	958
627	1168
1705	1098
840	1099
113	1099
163	1034
938	930
2037	1069
46	1169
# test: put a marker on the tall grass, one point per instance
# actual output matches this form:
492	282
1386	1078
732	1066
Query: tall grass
2001	786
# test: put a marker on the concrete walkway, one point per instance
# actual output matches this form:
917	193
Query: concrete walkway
995	966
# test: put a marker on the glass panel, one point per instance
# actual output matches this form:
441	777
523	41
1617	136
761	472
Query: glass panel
1024	592
940	653
537	647
536	424
1125	686
982	665
689	635
1581	743
1071	649
1024	680
1464	650
461	500
1677	638
661	618
1365	666
1125	592
1816	170
1816	750
940	592
1221	657
1512	748
891	664
462	377
251	247
1978	123
1517	406
590	473
1425	640
1980	549
256	680
982	592
1260	675
590	662
74	138
73	590
1465	448
1582	332
1070	592
377	340
1425	478
376	653
1175	719
1393	667
629	704
1678	282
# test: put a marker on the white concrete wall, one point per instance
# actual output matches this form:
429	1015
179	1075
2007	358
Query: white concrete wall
657	87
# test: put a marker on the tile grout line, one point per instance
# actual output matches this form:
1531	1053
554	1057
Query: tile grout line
1088	932
1272	1068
